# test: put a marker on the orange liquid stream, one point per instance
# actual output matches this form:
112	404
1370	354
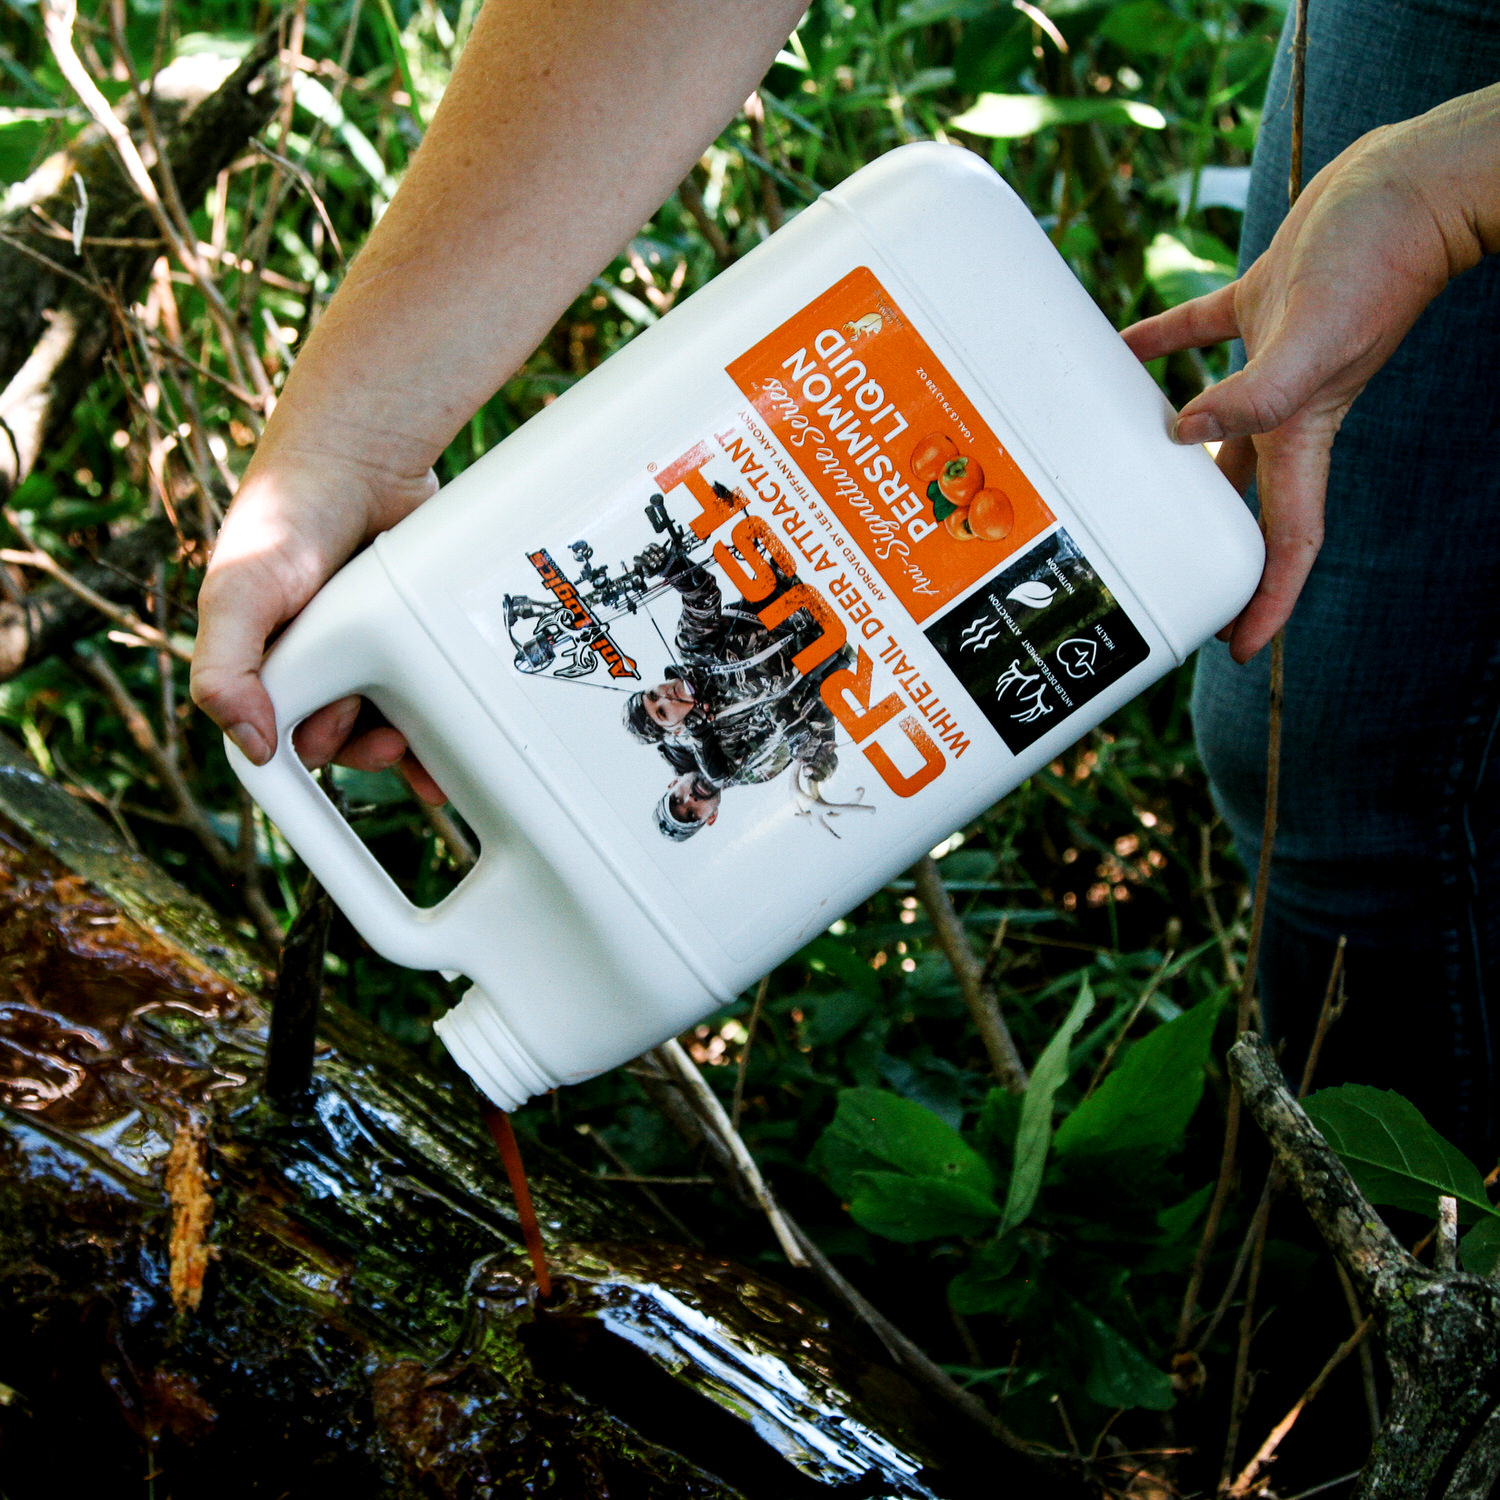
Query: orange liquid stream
505	1142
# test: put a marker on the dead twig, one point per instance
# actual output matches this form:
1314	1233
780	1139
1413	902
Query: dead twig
704	1103
750	1029
691	197
94	662
1267	1450
979	996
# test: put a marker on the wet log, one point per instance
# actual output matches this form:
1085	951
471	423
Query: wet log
1441	1329
199	1289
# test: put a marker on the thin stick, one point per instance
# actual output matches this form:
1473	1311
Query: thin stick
1331	1009
710	1112
750	1029
297	1002
193	816
58	17
980	997
1124	1031
127	620
691	197
1238	1394
1248	1010
1215	921
1366	1355
1267	1450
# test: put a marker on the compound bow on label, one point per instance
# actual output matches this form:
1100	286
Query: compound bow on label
567	635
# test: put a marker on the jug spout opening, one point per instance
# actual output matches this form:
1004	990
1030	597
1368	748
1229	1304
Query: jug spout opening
480	1042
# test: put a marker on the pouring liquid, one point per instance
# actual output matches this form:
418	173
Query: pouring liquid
504	1138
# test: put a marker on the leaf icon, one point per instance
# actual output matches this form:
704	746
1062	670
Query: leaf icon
1036	595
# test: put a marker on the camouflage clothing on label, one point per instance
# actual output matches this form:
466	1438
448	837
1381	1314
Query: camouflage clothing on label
756	715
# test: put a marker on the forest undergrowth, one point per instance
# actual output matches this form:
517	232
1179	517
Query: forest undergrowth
1051	1236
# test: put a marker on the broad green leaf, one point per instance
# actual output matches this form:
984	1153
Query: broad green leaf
1393	1154
827	955
1034	1134
1011	116
1480	1247
833	1015
1175	1220
23	133
872	1126
1146	1102
1119	1374
1181	267
992	1283
919	1208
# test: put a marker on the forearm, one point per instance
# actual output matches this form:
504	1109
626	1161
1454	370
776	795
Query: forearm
562	130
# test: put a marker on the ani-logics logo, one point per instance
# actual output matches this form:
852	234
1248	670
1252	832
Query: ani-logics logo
586	629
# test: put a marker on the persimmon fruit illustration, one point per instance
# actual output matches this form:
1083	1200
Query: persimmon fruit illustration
930	454
991	515
957	526
961	480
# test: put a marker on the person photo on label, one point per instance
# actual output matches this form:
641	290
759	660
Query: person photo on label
733	710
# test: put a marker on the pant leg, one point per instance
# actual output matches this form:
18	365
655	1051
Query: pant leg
1389	817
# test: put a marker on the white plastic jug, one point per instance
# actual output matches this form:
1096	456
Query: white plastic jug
804	578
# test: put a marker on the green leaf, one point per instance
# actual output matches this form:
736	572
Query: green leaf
833	1015
1034	1134
1480	1247
1011	116
919	1208
1185	265
1146	1102
1393	1154
22	136
828	956
1175	1220
942	508
1119	1374
871	1126
991	1283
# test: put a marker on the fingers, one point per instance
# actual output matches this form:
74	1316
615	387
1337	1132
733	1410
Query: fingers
419	779
241	604
320	737
1189	325
1292	478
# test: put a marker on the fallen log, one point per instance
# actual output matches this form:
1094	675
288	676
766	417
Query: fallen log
232	1299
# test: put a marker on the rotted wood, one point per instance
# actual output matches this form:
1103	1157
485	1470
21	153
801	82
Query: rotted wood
1441	1329
240	1302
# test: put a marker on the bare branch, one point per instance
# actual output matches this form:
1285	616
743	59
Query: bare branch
979	995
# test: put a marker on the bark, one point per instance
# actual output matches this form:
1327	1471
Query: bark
59	311
1441	1436
243	1301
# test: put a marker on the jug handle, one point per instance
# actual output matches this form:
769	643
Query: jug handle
317	662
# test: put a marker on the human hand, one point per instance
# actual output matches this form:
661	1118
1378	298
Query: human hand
1371	241
298	516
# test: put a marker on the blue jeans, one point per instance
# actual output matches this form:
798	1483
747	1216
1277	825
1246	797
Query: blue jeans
1389	817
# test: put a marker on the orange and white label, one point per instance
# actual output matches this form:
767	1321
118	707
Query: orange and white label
891	443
